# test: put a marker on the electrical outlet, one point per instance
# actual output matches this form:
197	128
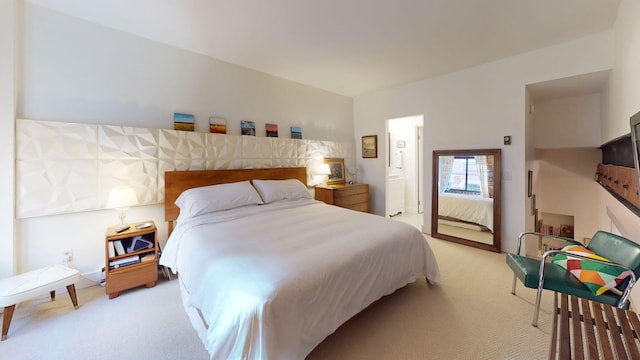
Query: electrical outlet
68	254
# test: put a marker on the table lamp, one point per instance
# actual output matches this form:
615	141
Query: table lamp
121	198
322	170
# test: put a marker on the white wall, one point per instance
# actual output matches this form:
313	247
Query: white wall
475	108
568	187
620	100
621	97
569	122
530	163
8	64
76	71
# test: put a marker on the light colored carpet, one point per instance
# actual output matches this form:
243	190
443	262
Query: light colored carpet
471	315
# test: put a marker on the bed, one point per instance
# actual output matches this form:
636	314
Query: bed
467	208
273	280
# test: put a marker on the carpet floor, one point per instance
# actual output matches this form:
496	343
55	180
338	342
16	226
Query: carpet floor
470	315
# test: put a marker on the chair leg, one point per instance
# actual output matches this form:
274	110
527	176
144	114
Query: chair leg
536	311
72	294
6	321
513	287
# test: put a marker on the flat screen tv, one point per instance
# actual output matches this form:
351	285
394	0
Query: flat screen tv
635	140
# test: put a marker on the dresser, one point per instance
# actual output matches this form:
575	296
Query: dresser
350	196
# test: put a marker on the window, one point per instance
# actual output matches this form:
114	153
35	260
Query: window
464	176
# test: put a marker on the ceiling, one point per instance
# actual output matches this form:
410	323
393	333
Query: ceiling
351	47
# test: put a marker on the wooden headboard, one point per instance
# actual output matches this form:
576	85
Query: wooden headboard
178	181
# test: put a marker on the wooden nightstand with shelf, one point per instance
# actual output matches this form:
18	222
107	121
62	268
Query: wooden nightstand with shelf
350	196
136	262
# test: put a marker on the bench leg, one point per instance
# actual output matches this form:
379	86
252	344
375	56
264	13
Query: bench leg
72	294
513	287
53	295
6	321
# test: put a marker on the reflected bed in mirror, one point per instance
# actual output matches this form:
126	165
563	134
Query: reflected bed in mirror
466	197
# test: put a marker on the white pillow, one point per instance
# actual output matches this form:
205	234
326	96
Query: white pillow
207	199
274	190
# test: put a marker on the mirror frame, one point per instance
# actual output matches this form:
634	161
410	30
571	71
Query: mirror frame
497	214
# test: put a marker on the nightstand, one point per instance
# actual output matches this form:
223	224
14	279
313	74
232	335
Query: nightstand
350	196
131	257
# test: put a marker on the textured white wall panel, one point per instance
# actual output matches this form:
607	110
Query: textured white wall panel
344	150
316	149
223	147
173	165
69	167
184	145
285	148
55	140
45	187
287	162
221	164
124	142
256	163
257	147
329	148
141	174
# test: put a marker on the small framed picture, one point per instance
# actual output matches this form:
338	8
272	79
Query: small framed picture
271	129
184	122
336	166
296	132
217	125
370	146
400	144
248	128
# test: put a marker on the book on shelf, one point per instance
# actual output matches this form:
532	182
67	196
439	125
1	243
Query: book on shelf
118	247
112	250
118	266
148	257
550	230
129	260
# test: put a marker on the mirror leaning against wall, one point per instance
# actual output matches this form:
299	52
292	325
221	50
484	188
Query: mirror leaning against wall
466	197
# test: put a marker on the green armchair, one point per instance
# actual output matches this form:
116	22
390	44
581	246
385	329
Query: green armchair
542	274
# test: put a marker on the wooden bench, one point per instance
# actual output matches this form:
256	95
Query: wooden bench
584	329
32	284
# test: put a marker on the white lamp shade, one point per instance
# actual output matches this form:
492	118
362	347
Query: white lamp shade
322	169
121	197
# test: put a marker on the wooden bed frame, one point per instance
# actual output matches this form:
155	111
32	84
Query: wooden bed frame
178	181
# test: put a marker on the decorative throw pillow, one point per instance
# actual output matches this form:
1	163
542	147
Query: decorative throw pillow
598	277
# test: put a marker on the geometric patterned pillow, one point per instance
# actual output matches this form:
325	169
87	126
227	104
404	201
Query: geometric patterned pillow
599	278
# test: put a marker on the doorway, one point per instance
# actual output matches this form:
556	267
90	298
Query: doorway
404	175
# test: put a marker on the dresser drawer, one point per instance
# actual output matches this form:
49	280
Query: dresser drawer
350	196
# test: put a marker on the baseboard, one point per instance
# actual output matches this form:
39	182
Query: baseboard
89	279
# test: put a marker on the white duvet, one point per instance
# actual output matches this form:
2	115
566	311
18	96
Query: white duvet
475	209
272	281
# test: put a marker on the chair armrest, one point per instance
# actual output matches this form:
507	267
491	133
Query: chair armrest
625	294
555	238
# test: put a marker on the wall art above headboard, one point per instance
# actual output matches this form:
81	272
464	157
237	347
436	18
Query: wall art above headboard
71	167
